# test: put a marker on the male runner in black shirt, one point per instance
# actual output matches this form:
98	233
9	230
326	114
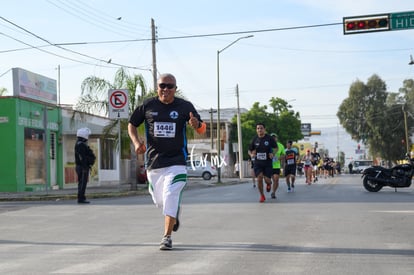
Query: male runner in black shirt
261	149
165	118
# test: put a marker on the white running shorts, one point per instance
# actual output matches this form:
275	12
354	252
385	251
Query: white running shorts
166	186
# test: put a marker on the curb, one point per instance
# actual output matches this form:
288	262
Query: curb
57	197
93	194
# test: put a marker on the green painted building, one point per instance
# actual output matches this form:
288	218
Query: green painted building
30	155
38	135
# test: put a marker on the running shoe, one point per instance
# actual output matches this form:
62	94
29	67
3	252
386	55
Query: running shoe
289	190
268	187
273	196
166	243
262	198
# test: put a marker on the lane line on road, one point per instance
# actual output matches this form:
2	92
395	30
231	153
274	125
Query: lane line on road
395	211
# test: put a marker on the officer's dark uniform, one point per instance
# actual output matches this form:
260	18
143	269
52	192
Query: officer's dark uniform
84	158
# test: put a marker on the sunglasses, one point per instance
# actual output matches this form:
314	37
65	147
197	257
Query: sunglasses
166	85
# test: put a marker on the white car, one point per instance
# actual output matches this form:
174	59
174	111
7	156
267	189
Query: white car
202	169
361	165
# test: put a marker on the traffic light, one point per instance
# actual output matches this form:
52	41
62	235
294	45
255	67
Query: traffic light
370	23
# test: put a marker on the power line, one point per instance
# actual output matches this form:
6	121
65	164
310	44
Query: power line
185	36
60	45
196	36
200	35
120	20
62	48
5	73
48	52
91	16
21	49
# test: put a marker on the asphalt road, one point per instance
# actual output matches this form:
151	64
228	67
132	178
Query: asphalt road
331	227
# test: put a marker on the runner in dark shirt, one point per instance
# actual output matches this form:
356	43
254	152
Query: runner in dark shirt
291	157
165	130
166	118
316	158
261	149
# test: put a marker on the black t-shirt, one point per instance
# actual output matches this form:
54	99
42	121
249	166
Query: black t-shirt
327	162
263	146
165	130
316	157
290	157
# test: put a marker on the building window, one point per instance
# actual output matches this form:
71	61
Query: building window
107	154
34	153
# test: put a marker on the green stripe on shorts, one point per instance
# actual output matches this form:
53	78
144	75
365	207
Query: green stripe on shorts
180	177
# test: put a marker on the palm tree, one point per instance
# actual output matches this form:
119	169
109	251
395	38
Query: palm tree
3	91
94	99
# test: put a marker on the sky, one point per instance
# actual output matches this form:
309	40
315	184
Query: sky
310	67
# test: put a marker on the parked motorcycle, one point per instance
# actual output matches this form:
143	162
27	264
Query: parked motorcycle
399	176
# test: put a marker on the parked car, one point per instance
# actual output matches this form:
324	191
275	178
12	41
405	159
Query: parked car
360	165
202	169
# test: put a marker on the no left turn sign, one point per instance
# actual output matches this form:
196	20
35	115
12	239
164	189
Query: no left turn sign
118	104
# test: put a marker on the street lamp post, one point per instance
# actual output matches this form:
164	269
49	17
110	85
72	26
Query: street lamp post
218	103
211	128
406	130
239	136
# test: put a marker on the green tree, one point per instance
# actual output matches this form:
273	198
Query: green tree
3	91
341	159
358	112
406	94
403	104
248	125
282	120
323	152
373	116
94	100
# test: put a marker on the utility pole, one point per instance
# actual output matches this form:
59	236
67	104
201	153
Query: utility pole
406	129
211	128
218	103
154	58
239	136
46	149
58	87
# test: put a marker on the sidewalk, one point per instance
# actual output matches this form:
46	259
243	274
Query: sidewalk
106	190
